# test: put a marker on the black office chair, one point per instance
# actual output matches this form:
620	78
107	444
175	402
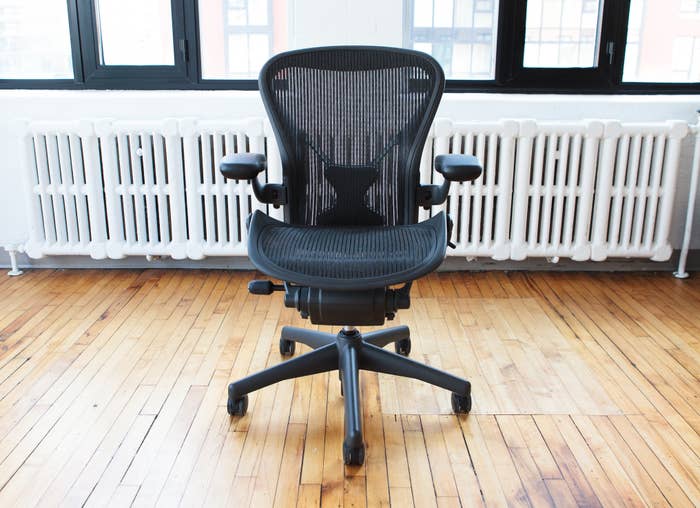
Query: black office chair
351	123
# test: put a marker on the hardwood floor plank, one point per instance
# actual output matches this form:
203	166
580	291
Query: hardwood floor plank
641	481
491	488
570	469
419	469
287	487
532	481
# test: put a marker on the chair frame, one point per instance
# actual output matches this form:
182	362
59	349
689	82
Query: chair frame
350	351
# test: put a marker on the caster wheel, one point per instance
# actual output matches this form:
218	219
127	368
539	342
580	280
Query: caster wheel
237	407
461	404
287	347
403	347
353	455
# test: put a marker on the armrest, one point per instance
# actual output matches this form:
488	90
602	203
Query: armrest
242	166
454	168
458	167
247	166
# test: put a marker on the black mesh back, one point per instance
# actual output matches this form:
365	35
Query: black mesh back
351	123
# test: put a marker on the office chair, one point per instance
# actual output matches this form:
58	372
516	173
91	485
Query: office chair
351	123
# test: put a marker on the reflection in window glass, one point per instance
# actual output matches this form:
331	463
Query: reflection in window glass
257	12
663	42
690	6
34	40
423	13
562	33
460	34
238	36
135	32
252	31
442	16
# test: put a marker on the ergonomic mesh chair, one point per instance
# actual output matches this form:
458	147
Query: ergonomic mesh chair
351	123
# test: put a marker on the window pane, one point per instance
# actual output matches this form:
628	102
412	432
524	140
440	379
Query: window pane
34	40
238	36
562	33
443	13
237	45
460	34
663	42
257	12
135	32
423	13
690	6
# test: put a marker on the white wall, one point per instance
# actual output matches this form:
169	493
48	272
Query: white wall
30	105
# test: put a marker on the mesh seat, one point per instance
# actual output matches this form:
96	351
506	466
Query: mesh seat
346	257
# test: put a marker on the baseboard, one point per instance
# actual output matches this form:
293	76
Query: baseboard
450	264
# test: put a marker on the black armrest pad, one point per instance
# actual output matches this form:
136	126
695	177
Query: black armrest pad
242	166
458	167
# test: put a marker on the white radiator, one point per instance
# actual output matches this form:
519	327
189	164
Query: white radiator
584	190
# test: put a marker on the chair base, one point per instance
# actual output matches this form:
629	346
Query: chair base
348	352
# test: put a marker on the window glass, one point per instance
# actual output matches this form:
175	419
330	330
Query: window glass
460	34
237	44
562	33
34	40
238	36
690	6
135	32
663	42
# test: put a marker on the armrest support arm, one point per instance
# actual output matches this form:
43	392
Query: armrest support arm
247	166
454	168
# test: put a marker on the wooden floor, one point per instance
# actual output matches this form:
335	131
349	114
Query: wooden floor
113	390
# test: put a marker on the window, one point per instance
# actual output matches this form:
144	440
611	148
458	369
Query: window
133	40
690	6
663	44
562	33
460	34
128	39
238	36
34	40
522	46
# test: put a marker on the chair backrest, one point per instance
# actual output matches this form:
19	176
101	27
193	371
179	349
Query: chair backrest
351	123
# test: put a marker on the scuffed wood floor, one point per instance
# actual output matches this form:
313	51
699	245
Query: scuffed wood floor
113	391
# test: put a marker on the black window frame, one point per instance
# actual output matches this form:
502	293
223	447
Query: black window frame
510	74
98	75
513	73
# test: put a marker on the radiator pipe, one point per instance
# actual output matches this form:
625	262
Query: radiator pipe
14	268
681	273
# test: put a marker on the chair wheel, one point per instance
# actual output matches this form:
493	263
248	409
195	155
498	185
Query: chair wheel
403	347
237	407
461	404
353	455
287	347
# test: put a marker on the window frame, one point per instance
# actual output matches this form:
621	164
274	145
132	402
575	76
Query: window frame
513	72
510	74
98	75
59	84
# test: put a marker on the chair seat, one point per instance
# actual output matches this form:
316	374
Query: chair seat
346	257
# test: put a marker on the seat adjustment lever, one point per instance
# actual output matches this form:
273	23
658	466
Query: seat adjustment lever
263	287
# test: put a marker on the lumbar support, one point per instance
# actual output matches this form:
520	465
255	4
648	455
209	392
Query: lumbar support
350	184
